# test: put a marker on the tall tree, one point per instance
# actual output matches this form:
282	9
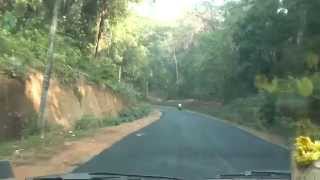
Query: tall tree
48	71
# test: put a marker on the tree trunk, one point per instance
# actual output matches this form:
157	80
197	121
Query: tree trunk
176	64
47	75
147	88
66	6
101	19
100	29
300	34
119	73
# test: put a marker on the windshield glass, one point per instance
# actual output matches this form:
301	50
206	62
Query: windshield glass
174	88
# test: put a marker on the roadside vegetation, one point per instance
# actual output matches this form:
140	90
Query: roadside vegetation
127	115
258	59
112	54
24	43
245	112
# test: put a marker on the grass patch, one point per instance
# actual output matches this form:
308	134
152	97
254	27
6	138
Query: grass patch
32	146
127	115
6	149
135	112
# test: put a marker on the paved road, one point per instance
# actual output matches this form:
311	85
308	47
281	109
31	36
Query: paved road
184	144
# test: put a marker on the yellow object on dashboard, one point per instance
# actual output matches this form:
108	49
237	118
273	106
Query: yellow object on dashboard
306	151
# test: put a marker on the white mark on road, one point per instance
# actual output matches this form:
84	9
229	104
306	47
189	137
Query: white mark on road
140	134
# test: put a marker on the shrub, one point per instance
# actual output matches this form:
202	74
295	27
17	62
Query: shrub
305	127
127	91
245	110
30	126
111	121
87	122
135	112
127	115
268	110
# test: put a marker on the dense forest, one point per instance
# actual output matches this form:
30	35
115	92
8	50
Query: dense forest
263	55
259	58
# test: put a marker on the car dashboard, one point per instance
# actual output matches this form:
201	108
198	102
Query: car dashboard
248	175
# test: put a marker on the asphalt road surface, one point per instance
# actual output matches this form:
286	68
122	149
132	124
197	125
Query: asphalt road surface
191	146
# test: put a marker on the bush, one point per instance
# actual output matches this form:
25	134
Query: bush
127	91
111	121
28	49
87	122
136	112
286	114
285	126
292	106
245	110
127	115
268	110
304	127
30	126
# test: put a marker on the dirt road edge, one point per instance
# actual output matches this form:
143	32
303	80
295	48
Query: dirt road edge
80	151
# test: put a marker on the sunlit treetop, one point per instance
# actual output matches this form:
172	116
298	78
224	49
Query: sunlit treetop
168	10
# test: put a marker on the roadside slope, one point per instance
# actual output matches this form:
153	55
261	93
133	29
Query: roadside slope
20	99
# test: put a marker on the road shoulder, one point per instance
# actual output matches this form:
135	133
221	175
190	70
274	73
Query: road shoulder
271	138
77	152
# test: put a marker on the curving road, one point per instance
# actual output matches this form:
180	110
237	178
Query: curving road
191	146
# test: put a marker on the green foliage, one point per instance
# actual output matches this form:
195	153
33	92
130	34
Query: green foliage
263	83
127	115
30	126
114	121
127	91
22	51
135	112
6	149
87	122
305	87
33	144
312	61
24	40
28	49
8	21
24	45
257	47
247	111
305	127
292	105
